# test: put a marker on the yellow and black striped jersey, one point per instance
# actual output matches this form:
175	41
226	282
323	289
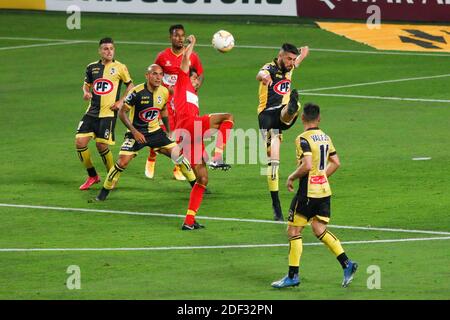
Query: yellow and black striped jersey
314	142
277	94
145	107
105	81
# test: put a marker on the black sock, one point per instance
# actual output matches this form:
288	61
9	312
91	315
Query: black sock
292	272
92	172
343	260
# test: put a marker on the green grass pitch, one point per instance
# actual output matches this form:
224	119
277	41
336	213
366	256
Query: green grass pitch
378	185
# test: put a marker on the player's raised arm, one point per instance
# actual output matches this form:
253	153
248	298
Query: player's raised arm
304	52
187	54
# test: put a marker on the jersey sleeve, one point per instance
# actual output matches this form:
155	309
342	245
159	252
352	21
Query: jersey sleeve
267	69
130	100
332	148
125	75
302	147
88	78
197	64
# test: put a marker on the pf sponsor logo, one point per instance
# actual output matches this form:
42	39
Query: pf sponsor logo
103	86
282	87
318	180
149	114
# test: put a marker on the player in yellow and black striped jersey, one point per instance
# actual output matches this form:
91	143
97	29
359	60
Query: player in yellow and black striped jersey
144	104
102	88
277	110
317	160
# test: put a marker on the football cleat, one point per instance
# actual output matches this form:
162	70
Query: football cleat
214	165
150	169
177	174
293	105
193	226
89	182
286	282
349	272
102	195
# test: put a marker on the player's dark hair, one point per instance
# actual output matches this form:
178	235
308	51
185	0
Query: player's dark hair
287	47
192	70
105	40
175	27
311	112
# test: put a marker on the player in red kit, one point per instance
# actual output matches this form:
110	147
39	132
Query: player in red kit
191	128
170	61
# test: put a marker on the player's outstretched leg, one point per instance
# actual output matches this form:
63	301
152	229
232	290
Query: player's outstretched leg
85	157
349	267
290	111
113	176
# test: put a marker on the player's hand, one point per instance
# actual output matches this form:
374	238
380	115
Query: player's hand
267	80
139	137
191	39
171	91
87	96
290	184
304	52
117	105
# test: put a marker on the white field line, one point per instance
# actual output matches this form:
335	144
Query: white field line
376	82
337	95
239	246
238	46
39	45
209	218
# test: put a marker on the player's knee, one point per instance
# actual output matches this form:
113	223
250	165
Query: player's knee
229	117
294	231
202	180
318	228
101	146
123	162
80	143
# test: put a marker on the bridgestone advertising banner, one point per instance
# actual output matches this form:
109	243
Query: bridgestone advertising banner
217	7
409	10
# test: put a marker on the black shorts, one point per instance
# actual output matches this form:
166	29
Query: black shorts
308	208
101	129
155	140
271	120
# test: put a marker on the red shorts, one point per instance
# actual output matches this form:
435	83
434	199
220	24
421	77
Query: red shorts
190	134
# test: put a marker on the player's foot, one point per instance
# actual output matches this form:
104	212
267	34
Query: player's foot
214	165
193	226
277	213
293	105
177	174
150	169
102	195
286	282
349	272
89	182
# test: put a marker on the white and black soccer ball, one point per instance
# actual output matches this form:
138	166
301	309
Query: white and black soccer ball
223	41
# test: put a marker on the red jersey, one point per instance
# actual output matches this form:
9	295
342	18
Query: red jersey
170	63
185	100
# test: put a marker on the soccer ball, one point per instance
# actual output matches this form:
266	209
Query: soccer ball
223	41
